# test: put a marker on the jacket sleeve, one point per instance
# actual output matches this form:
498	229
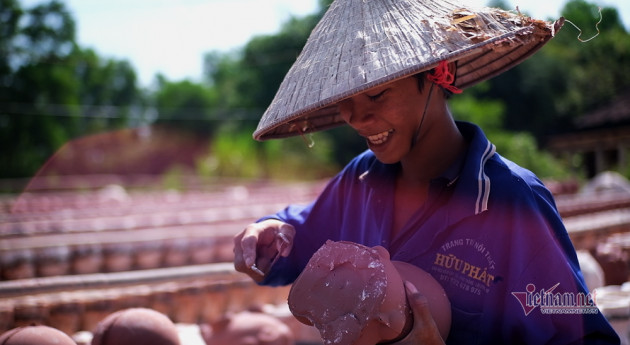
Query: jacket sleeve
314	223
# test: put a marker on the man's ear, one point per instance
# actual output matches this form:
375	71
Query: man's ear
452	70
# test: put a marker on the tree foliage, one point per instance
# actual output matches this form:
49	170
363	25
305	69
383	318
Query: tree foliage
547	93
186	105
568	77
52	91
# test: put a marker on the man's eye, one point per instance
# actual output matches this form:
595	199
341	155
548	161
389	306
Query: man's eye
377	96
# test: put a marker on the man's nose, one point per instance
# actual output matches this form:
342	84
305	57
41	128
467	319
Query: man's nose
345	110
353	112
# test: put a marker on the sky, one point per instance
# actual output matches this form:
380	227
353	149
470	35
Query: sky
171	36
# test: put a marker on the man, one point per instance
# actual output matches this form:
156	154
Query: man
430	190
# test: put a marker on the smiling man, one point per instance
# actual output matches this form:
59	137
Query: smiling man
432	191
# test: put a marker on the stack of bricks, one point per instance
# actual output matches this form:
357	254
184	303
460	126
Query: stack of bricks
73	303
70	258
62	233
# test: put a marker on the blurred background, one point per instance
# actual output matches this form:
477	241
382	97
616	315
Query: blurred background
126	146
170	90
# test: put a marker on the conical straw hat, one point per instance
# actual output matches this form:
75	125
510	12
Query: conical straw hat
361	44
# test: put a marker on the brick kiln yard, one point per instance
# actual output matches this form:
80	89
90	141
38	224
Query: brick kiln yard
69	258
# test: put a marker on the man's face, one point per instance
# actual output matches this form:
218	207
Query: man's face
387	117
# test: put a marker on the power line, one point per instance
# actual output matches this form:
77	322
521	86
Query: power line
149	113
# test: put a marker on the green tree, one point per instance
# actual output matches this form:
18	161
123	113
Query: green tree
51	90
36	84
10	14
186	105
568	77
518	146
108	95
249	80
596	69
266	60
222	73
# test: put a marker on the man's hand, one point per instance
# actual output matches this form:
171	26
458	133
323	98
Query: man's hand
258	246
424	329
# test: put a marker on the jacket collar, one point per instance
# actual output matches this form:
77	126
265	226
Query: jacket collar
467	175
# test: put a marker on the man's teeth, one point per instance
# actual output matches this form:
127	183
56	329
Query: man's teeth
379	138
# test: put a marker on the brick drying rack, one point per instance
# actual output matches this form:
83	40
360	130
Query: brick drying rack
70	258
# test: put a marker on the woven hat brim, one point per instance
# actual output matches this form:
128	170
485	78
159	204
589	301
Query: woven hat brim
306	100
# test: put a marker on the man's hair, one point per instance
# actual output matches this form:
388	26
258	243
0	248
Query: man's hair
420	78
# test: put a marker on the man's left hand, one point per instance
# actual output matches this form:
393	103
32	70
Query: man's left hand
424	329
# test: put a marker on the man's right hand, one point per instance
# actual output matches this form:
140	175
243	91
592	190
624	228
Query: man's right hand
256	247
